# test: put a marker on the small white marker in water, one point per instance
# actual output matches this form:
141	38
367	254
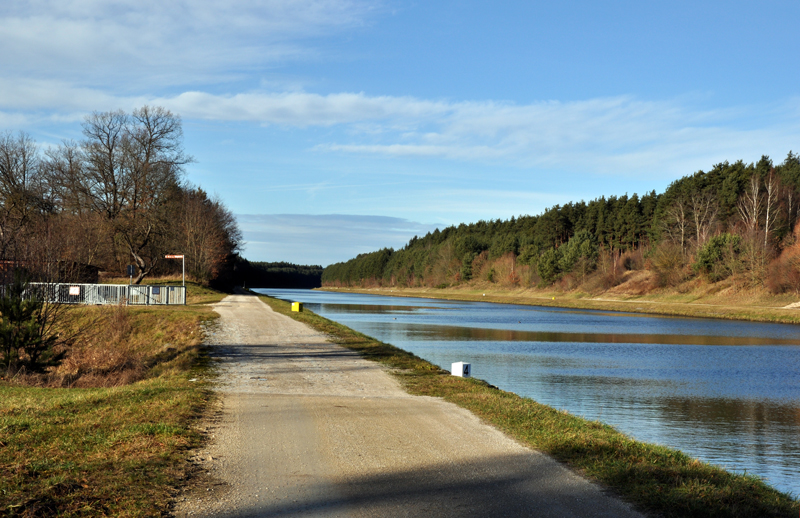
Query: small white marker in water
461	369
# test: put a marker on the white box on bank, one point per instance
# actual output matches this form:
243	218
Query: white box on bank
460	369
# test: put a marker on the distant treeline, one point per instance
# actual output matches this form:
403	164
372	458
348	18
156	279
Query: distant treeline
277	275
736	220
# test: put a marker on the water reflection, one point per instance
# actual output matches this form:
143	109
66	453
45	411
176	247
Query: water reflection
727	392
373	308
429	331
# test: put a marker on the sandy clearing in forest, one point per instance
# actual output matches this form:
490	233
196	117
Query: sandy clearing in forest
309	428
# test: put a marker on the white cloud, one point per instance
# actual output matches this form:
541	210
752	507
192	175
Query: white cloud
62	59
177	42
600	135
323	239
618	135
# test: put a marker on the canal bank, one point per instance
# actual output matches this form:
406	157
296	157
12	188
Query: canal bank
657	478
762	310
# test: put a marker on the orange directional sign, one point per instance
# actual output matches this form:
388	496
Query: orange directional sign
173	257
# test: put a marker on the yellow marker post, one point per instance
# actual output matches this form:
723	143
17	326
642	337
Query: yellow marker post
297	306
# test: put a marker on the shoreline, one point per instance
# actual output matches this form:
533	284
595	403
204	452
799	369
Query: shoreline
644	306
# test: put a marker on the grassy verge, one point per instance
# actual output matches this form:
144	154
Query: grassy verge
654	478
651	304
115	447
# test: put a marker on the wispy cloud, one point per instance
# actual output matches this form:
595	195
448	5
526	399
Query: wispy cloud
616	135
604	135
323	239
301	109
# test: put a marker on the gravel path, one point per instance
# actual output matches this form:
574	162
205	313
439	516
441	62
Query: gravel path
309	428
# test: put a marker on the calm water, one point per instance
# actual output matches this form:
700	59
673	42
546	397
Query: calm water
725	392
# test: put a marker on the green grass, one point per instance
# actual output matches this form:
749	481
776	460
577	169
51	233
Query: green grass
108	450
653	478
95	452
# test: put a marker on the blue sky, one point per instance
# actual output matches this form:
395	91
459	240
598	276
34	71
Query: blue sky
333	128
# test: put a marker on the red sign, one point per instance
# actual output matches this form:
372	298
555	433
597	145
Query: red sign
173	257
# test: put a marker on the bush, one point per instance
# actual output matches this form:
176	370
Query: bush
633	260
717	258
783	273
505	270
668	264
27	337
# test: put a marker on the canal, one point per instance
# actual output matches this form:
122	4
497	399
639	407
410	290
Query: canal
723	391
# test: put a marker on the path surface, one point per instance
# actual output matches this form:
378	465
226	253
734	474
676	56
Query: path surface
309	428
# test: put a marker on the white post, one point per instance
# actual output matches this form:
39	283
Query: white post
461	369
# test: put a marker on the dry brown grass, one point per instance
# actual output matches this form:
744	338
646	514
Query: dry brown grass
113	346
103	356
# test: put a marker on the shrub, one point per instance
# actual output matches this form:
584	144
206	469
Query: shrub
27	337
633	260
783	273
479	264
466	270
668	263
717	258
505	270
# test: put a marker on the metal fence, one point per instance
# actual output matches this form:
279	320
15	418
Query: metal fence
132	295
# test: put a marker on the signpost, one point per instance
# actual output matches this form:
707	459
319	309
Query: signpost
183	268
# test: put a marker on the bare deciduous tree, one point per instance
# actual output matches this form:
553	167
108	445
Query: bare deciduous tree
704	207
771	186
676	223
22	190
115	197
132	165
751	205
